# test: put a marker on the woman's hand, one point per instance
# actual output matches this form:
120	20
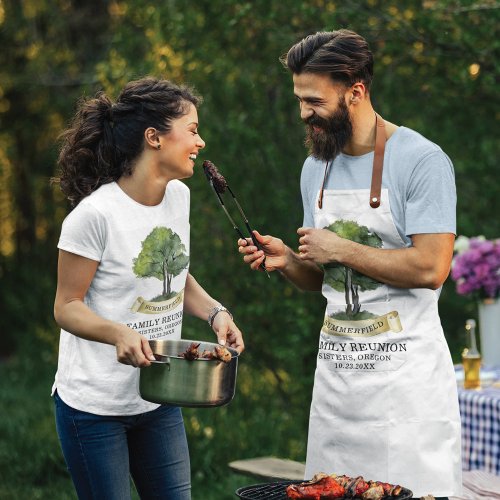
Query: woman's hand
274	251
228	334
132	348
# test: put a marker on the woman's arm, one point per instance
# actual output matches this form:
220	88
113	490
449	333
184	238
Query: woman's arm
74	276
197	302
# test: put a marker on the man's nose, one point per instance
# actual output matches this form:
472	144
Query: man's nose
305	111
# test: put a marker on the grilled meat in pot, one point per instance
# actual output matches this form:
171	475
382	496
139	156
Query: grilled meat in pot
219	353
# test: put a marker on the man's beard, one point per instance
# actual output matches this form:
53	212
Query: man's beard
335	132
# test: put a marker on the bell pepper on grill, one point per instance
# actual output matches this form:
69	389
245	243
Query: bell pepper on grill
319	488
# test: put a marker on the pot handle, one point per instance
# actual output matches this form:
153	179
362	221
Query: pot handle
163	359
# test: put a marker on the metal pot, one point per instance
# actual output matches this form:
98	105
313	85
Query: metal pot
177	381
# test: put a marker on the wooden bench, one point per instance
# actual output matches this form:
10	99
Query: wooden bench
269	468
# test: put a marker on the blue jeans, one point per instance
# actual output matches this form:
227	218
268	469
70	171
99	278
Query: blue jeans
101	453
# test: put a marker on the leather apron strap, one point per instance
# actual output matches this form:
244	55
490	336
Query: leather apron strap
378	166
378	162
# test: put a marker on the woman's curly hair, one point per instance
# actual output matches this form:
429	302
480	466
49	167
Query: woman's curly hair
105	137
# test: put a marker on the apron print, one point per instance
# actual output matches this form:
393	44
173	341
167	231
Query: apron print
344	279
353	321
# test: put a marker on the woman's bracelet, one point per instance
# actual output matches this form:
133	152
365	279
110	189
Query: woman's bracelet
216	310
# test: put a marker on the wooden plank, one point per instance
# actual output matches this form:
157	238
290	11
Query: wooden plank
270	468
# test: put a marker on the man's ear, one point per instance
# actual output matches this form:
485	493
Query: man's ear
358	92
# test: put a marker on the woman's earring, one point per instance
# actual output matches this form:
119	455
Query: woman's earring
159	146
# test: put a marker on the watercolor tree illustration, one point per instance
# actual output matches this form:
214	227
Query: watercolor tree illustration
163	256
344	279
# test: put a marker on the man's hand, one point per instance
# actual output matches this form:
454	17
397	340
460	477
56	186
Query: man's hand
305	275
273	250
318	245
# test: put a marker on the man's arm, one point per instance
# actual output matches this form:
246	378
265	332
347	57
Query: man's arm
426	264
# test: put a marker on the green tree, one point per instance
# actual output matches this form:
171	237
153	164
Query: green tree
343	278
163	257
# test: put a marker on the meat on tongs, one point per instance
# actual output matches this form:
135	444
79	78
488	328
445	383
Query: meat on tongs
213	174
219	353
323	486
220	185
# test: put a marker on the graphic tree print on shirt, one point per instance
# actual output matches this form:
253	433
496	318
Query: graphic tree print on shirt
163	257
344	279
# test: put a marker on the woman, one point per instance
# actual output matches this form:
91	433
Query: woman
123	280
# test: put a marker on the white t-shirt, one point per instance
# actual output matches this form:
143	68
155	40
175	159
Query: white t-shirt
143	255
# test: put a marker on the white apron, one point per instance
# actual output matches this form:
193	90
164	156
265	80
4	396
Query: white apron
385	402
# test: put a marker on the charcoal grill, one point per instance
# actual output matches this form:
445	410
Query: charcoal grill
277	491
265	491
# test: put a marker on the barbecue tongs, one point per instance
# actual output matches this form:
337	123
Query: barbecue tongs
219	185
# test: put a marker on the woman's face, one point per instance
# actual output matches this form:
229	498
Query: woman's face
181	144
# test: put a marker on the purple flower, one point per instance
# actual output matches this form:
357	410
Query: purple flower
476	267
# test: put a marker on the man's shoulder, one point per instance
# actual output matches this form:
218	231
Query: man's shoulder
411	143
313	165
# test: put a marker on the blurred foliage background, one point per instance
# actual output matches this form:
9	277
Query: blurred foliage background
436	71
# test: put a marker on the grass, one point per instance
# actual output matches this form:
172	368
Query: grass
31	463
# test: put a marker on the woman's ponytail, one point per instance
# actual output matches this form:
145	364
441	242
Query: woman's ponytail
87	158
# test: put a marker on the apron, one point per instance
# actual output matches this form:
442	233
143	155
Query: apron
385	402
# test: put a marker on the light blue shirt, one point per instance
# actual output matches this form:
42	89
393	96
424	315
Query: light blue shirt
417	173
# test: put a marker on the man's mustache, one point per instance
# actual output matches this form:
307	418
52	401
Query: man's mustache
313	120
316	121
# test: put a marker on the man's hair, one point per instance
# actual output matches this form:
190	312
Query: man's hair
342	54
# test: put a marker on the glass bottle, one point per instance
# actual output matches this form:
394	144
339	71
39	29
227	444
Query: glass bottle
471	358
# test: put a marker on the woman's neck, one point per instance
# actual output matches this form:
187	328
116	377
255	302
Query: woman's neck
144	186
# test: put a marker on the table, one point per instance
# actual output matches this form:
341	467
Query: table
480	414
270	468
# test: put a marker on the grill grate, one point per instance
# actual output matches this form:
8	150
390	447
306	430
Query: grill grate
265	491
277	491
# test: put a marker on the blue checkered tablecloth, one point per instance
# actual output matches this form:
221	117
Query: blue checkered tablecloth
480	414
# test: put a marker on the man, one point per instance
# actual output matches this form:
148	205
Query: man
379	227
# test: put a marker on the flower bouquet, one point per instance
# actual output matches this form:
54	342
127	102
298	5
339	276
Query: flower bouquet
476	271
476	267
